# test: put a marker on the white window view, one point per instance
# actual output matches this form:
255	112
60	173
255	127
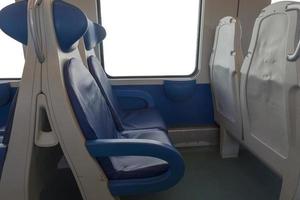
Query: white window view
150	37
12	56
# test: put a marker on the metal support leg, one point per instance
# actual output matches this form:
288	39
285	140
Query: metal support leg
229	148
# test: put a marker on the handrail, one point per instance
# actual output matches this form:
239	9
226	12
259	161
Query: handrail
35	29
294	56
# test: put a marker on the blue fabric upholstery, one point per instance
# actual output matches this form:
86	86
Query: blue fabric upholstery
96	122
2	130
69	21
134	167
10	118
94	35
4	106
4	94
70	24
13	21
3	150
135	119
141	148
7	132
143	118
104	84
89	105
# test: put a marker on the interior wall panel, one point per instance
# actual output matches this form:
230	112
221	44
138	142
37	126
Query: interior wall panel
248	12
214	10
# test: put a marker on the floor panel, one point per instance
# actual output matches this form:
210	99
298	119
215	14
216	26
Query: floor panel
207	177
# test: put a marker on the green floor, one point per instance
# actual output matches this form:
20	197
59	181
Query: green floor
207	177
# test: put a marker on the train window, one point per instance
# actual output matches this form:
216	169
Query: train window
11	53
151	37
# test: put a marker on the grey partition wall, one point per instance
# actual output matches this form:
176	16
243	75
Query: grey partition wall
270	95
225	64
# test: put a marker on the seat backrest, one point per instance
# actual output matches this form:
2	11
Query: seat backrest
225	64
10	119
6	136
95	35
17	14
5	102
89	105
270	84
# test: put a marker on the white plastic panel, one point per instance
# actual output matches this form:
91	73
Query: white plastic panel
265	85
269	86
225	67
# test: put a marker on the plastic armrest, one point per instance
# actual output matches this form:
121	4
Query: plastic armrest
140	147
137	94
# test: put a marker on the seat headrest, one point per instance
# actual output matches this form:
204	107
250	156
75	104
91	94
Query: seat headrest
70	24
13	21
69	21
94	35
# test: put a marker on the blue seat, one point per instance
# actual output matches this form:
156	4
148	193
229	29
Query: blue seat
2	130
5	103
135	161
146	118
5	112
4	140
134	167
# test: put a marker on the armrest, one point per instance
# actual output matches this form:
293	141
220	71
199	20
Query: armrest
136	94
140	147
4	93
132	147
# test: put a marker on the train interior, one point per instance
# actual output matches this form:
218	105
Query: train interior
149	100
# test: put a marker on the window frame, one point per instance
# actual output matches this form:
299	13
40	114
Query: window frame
101	54
11	79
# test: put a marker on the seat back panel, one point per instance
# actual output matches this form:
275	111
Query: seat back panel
270	86
225	67
91	110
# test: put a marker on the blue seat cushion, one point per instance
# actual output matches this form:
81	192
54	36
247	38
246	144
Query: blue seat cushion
143	119
130	120
135	167
96	122
105	86
2	130
3	150
5	101
90	107
94	35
